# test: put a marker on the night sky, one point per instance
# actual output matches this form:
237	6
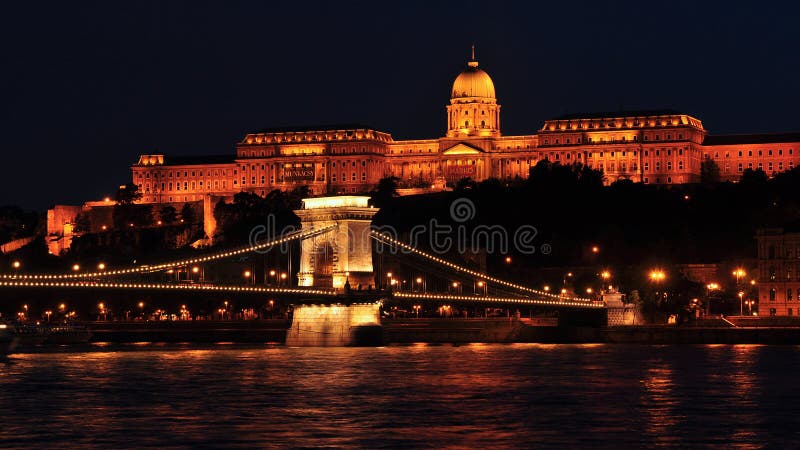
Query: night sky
87	87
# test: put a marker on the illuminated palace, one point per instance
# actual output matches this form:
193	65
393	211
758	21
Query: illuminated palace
657	147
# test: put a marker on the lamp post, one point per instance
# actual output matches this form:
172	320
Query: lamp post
741	304
606	277
710	287
656	276
480	284
201	271
739	273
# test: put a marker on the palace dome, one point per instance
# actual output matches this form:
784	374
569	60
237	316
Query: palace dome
473	82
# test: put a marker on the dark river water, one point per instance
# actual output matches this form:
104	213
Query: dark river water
490	396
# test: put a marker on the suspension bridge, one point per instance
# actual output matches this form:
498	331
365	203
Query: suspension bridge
337	243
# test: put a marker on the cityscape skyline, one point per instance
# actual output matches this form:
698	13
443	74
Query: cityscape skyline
104	108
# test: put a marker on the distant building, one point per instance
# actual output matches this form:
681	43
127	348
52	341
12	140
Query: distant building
778	271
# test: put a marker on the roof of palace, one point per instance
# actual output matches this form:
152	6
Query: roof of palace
762	138
312	128
612	114
198	159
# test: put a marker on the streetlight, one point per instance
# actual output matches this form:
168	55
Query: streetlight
416	309
595	249
741	302
283	277
481	284
508	260
657	275
62	307
101	266
248	275
546	288
196	270
76	267
16	264
710	287
421	284
606	276
273	274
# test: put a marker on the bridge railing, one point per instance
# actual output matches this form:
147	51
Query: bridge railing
490	299
166	286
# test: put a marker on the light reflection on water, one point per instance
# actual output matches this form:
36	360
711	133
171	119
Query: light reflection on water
478	395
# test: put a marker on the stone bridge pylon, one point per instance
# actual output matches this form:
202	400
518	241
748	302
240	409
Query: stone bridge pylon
345	253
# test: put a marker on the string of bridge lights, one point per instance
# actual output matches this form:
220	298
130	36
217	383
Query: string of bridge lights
388	239
179	287
300	234
466	298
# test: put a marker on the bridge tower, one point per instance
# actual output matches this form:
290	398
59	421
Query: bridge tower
343	254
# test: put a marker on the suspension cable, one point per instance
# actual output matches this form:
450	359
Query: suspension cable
381	237
299	234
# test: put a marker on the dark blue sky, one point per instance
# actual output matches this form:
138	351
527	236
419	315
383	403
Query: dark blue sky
87	87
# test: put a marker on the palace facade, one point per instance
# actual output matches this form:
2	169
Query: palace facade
656	147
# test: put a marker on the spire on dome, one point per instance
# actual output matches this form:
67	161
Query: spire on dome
472	62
